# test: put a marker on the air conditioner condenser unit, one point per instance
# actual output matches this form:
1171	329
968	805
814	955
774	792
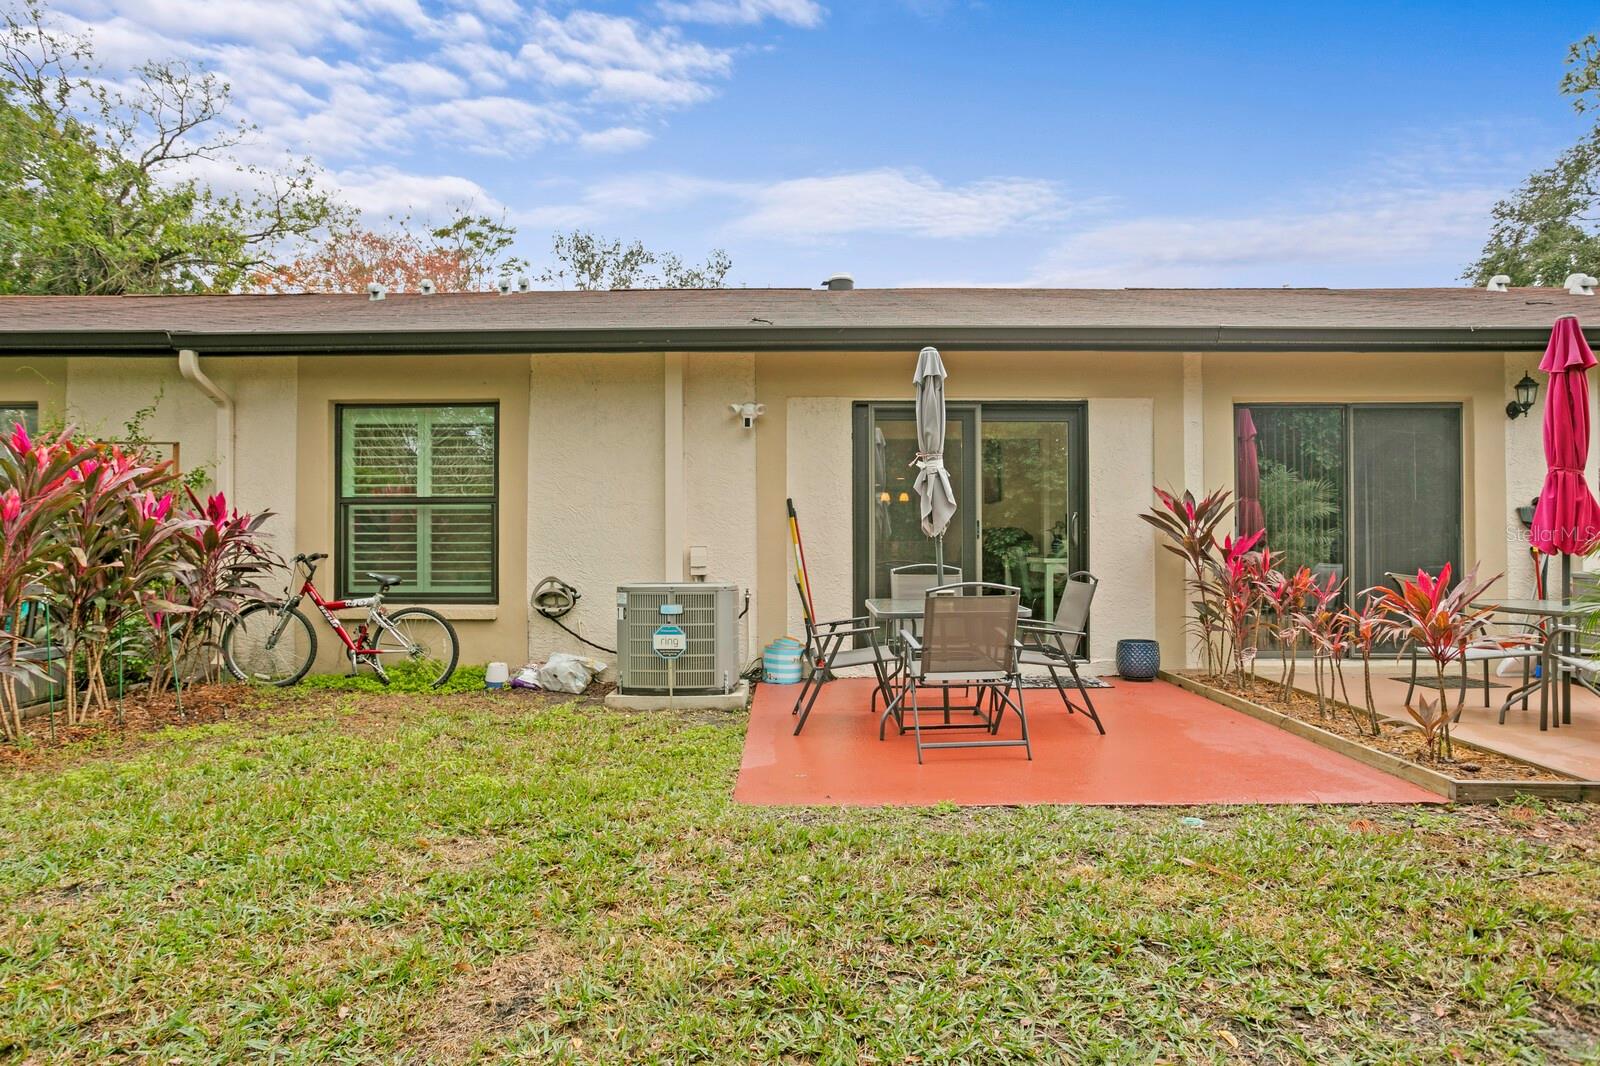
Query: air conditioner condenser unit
708	615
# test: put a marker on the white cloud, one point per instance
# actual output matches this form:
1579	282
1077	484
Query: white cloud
1281	246
904	203
615	139
618	60
384	191
424	79
344	79
743	12
892	201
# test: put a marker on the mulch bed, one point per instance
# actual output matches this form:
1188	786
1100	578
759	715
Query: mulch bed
1393	737
141	712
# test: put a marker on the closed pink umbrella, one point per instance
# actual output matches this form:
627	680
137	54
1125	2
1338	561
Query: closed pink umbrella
1247	474
1566	520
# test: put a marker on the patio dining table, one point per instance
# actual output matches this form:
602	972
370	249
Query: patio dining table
890	609
1559	611
894	613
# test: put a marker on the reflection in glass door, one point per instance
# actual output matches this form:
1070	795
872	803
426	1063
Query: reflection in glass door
886	443
1032	500
1019	476
1352	491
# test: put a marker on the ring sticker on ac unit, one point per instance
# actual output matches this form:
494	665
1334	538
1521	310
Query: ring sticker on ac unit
669	641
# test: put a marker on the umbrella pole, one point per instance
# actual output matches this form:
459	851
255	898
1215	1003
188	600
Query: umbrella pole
938	559
1565	710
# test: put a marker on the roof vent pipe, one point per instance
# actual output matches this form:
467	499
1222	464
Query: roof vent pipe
1498	283
1580	284
503	286
523	284
839	283
427	287
376	291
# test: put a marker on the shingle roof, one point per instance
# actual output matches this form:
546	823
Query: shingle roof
794	318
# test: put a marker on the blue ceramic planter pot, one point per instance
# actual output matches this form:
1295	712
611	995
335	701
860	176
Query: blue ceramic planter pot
1138	660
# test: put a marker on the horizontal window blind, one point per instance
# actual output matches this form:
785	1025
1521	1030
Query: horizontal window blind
417	499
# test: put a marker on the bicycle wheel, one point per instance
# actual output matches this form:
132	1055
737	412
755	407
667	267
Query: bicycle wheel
268	645
421	648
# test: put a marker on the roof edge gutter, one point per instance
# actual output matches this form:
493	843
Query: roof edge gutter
189	367
796	339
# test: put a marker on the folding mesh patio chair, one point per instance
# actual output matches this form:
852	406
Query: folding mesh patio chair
1056	645
828	649
969	641
911	580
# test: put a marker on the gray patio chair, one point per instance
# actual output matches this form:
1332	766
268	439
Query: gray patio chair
828	649
910	580
969	642
914	579
1056	644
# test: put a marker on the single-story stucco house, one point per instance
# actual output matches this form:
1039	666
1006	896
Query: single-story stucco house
477	443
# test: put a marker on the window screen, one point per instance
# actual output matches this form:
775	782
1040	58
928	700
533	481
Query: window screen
417	498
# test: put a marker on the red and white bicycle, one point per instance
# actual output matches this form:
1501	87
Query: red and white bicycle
274	644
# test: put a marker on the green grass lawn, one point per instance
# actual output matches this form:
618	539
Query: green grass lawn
355	877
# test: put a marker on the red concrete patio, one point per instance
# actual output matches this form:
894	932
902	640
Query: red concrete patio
1163	746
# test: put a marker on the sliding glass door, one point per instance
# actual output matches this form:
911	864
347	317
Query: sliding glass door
888	518
1019	472
1358	491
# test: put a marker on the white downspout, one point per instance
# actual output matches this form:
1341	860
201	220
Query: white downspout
189	367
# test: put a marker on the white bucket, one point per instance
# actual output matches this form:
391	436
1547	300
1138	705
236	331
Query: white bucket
780	662
495	675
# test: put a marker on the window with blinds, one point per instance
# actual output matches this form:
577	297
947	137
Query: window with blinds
418	498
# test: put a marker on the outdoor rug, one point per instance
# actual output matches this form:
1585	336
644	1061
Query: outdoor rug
1043	681
1452	684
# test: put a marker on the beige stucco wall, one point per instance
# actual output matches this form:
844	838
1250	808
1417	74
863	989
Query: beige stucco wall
36	381
602	476
1474	380
803	446
587	479
487	631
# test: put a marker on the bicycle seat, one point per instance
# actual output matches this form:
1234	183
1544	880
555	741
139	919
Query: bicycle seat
384	579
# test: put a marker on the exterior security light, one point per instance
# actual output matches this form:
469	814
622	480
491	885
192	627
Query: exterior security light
748	413
1527	392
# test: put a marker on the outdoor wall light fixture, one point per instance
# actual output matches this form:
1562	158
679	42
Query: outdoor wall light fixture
748	413
905	497
883	497
1527	392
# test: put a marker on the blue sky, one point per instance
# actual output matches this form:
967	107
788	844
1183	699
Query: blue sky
912	141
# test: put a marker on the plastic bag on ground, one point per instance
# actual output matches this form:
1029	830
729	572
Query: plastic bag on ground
568	673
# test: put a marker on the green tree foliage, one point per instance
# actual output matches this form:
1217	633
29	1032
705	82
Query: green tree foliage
1550	227
583	260
98	193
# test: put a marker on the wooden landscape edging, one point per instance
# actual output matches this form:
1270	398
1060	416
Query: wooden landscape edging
1453	789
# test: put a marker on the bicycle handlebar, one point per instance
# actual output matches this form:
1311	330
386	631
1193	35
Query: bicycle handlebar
310	558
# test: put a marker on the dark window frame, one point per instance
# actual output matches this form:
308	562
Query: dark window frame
22	405
1347	489
1074	412
343	578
